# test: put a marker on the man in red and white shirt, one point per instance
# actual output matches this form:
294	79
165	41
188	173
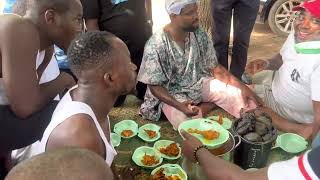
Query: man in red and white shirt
293	99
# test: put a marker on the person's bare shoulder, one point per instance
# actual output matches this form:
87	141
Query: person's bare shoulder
77	131
16	29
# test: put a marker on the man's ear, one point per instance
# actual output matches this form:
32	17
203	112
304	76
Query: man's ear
50	16
108	79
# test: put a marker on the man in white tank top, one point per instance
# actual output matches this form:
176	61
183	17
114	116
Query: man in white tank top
27	105
102	64
293	99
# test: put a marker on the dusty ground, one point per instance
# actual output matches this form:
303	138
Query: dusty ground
264	43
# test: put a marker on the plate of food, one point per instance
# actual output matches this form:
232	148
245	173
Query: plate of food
169	172
126	128
147	157
223	121
149	132
209	132
168	149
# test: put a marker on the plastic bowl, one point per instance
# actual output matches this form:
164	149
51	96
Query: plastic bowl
141	151
205	124
227	123
164	144
144	136
172	169
291	143
115	139
126	125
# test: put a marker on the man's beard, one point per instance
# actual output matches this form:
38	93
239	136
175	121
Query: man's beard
191	28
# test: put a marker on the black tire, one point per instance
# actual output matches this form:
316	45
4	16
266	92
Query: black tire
275	9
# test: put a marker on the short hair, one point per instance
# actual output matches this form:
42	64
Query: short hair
60	6
90	50
62	164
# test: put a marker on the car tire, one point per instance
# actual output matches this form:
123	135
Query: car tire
277	10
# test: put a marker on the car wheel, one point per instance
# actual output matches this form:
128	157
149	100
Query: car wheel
281	16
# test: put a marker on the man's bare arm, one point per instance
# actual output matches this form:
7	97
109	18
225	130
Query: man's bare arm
217	168
77	131
275	62
163	95
20	44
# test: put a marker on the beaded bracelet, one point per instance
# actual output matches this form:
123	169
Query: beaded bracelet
196	150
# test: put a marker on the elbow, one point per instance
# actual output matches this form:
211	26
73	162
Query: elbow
23	112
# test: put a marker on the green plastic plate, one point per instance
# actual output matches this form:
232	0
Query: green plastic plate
126	125
227	123
115	139
291	143
141	151
203	125
144	136
163	144
172	169
311	47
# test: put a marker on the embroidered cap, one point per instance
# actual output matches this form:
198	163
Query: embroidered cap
175	6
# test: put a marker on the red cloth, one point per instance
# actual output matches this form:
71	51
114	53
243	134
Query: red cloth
312	6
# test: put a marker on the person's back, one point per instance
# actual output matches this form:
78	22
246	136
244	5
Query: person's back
62	164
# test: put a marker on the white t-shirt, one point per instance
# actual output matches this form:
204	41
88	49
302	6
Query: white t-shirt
298	168
297	83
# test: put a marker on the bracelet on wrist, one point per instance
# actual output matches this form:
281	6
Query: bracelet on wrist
196	150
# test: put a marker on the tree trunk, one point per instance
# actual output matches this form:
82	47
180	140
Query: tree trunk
205	17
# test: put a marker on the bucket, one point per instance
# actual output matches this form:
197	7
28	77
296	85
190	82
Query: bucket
252	154
225	152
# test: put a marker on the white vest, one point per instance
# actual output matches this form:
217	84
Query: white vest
64	110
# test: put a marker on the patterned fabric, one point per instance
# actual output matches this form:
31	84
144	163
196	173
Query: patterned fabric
61	57
180	71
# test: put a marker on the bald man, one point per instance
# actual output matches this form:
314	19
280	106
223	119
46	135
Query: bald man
62	164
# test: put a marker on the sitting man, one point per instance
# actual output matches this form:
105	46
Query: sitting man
29	76
182	72
102	64
62	164
293	99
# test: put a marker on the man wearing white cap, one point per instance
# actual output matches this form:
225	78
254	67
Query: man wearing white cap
182	73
